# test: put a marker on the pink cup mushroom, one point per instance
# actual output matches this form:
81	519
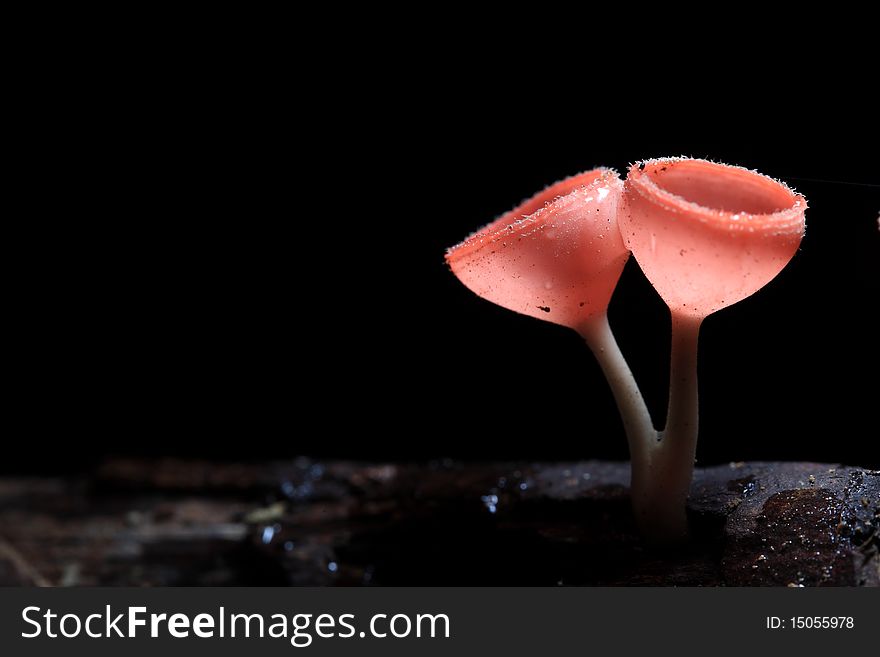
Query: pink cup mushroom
706	235
558	257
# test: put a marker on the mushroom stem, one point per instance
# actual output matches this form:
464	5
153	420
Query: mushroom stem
637	424
662	464
661	512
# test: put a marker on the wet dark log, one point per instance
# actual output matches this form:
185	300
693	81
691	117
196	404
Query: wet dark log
149	523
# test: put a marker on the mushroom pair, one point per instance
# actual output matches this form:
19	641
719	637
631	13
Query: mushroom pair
706	235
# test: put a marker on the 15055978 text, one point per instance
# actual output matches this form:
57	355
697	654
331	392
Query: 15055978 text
810	623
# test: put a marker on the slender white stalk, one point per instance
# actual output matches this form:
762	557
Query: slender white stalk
640	433
662	464
662	512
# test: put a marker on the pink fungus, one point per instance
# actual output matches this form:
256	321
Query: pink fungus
557	256
708	235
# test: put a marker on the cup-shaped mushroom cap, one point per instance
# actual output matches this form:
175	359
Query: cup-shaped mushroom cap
708	235
557	256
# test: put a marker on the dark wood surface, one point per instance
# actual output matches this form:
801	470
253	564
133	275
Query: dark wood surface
171	522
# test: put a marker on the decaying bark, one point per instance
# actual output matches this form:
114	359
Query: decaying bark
172	522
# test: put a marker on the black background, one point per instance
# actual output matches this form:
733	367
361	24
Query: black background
223	266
